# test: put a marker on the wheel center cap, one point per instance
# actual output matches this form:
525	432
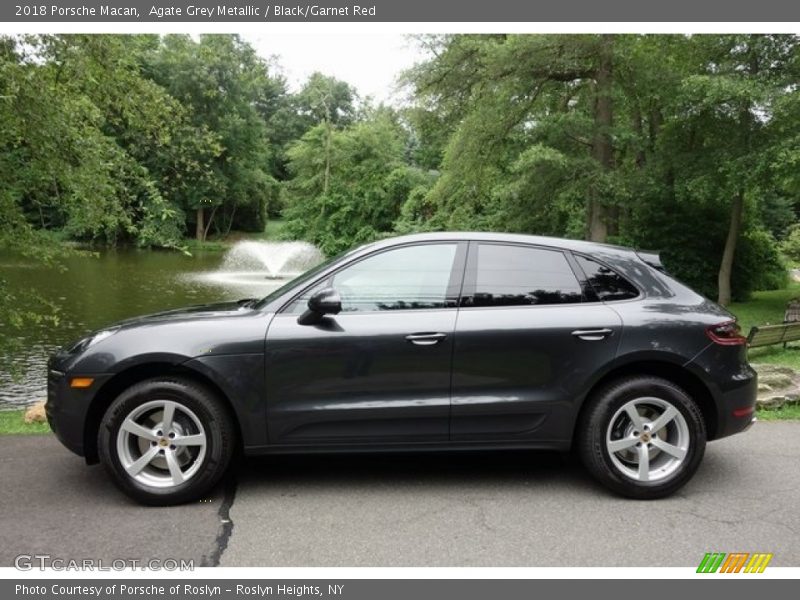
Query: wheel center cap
163	442
645	437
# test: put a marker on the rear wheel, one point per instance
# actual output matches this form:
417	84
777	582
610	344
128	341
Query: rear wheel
642	437
166	441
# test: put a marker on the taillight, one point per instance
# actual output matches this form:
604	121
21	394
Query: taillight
726	334
744	412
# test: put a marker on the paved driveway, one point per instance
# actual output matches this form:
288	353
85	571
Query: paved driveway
492	509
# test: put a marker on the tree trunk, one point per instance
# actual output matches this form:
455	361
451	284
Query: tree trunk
602	148
655	122
210	220
726	266
230	223
200	230
638	129
598	229
327	180
737	209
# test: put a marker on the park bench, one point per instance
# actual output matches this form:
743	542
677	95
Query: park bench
788	331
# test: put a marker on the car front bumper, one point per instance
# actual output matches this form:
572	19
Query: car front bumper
68	408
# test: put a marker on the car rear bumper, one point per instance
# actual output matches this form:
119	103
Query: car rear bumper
737	403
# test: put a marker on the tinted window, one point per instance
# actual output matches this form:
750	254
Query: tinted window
516	275
606	283
413	277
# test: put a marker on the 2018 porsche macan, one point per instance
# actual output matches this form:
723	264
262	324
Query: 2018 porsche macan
441	341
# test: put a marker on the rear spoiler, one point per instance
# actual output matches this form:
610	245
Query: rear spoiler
652	258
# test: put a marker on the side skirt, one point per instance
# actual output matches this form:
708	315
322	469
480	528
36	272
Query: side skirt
551	445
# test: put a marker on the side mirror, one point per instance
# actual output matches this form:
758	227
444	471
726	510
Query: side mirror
324	302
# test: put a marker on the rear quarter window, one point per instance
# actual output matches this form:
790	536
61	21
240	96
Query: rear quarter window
607	284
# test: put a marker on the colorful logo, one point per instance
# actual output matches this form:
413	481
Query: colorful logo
735	562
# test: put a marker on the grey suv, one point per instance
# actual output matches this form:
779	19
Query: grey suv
442	341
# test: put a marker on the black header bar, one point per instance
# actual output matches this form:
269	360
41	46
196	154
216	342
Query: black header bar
337	11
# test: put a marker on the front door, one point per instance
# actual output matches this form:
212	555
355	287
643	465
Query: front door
379	371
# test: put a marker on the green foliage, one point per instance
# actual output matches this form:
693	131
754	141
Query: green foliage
673	227
121	139
790	246
137	139
759	265
229	96
698	121
348	185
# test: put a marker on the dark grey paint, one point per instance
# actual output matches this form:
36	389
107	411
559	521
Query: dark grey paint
490	376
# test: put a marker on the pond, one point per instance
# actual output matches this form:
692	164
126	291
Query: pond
92	292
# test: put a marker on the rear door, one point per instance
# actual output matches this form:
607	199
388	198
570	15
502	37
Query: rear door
527	342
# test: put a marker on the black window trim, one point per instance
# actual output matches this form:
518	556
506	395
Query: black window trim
471	269
640	293
452	292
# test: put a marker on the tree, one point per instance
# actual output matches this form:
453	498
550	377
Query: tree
509	89
723	130
602	136
100	151
349	185
228	91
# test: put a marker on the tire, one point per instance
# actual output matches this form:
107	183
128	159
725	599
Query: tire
142	456
631	458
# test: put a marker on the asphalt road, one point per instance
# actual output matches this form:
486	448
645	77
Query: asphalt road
492	509
521	509
52	503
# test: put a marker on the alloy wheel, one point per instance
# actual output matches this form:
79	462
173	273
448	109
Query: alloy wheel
648	439
161	443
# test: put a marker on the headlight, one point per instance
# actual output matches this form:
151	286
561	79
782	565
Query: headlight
91	340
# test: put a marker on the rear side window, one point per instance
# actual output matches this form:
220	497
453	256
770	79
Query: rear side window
506	275
606	283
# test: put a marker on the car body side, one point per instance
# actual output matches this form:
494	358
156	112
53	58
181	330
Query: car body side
227	348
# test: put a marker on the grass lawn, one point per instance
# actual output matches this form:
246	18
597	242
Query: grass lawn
273	229
787	413
11	423
194	246
768	308
764	307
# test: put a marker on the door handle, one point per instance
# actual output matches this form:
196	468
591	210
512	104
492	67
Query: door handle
425	339
592	335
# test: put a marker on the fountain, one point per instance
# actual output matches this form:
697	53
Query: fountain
254	268
278	260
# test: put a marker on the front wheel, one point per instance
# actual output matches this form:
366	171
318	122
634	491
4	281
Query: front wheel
642	437
166	441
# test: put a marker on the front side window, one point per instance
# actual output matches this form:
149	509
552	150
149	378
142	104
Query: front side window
411	277
506	275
